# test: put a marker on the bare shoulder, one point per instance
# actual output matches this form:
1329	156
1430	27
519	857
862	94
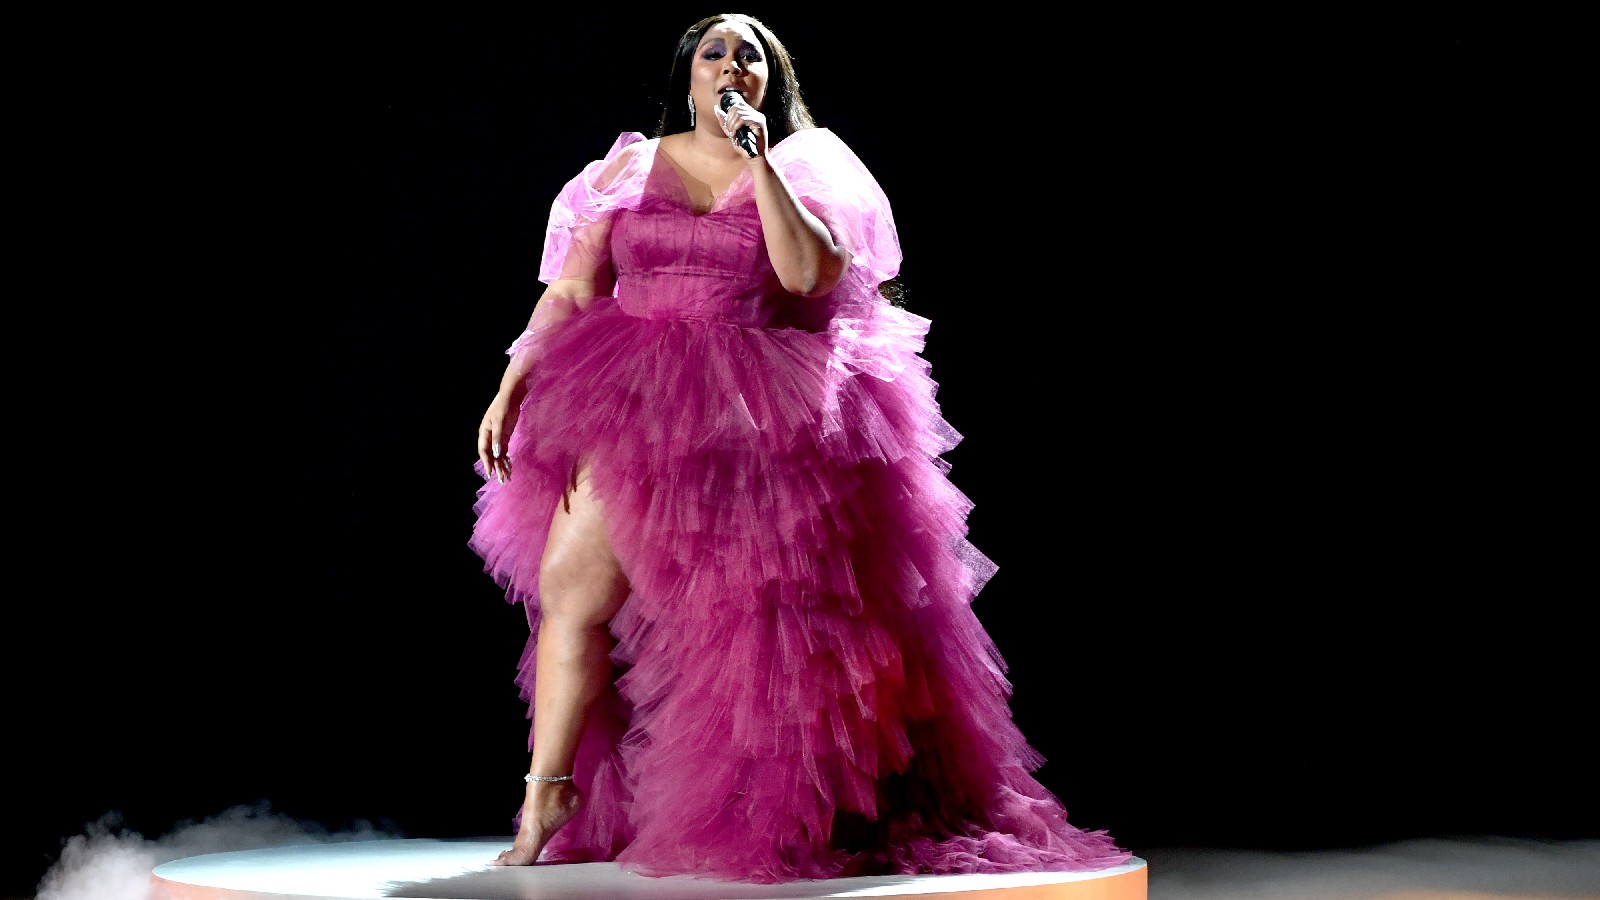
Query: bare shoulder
671	145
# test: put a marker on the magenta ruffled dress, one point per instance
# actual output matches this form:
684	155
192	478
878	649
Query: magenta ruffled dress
801	688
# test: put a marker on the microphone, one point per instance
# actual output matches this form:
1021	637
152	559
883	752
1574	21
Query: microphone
743	137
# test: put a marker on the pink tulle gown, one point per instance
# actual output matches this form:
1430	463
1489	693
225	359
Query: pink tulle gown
801	689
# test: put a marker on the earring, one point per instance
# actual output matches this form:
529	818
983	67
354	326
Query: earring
691	110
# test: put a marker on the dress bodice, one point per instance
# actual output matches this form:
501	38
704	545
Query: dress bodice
674	263
631	211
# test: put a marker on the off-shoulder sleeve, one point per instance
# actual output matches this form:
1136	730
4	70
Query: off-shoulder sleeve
871	337
577	235
833	182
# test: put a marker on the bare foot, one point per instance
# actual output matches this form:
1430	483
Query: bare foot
547	807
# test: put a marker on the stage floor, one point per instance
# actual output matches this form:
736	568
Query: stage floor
460	870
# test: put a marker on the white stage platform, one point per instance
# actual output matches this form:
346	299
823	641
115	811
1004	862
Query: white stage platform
459	870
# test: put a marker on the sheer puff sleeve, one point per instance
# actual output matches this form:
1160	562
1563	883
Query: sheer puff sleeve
832	182
577	233
575	239
881	377
870	336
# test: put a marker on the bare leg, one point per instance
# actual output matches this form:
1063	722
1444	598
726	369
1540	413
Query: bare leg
580	588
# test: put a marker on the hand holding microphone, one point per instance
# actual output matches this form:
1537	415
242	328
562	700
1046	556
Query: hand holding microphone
743	137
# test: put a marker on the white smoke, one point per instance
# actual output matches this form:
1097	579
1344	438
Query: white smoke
1431	869
109	861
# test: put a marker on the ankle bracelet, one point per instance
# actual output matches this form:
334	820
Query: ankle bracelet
532	778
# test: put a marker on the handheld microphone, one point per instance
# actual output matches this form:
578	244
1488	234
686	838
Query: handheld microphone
743	137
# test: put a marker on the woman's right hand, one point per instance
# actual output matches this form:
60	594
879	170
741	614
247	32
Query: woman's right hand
494	437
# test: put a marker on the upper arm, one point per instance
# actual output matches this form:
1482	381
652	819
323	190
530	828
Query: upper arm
833	256
577	244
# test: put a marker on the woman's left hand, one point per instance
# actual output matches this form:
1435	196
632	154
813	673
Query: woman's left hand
740	114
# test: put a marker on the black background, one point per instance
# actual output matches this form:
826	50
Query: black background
1274	568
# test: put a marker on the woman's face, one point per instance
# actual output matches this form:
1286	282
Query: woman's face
729	57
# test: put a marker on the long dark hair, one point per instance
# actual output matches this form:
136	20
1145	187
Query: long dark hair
785	109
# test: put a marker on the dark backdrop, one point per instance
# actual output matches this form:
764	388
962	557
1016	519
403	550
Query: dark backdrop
1268	576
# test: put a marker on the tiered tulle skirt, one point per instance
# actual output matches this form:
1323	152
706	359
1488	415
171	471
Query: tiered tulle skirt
801	688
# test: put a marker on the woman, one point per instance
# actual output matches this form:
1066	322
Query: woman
713	479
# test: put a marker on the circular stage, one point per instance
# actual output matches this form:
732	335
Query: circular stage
460	870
